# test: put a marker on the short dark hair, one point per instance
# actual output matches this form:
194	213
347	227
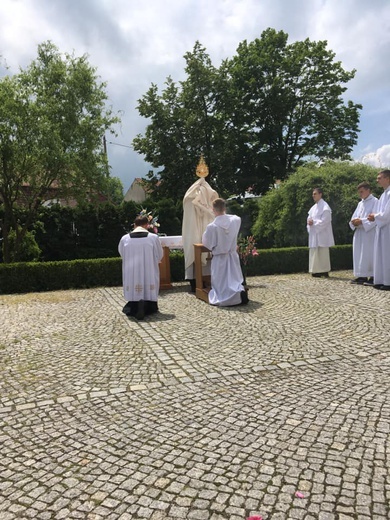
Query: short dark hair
319	190
141	221
219	205
385	173
364	185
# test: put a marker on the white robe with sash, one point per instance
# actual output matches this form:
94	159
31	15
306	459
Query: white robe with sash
363	238
140	269
320	237
226	274
382	240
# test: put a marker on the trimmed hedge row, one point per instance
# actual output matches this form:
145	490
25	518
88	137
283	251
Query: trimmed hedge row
76	274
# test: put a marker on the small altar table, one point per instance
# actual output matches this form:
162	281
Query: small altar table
168	243
203	282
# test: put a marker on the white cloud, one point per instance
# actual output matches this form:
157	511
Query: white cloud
136	42
380	158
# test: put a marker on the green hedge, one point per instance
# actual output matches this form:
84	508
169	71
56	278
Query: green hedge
295	260
74	274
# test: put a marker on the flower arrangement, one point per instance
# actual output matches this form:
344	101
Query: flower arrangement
246	249
153	224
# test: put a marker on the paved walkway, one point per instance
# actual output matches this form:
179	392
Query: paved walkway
198	413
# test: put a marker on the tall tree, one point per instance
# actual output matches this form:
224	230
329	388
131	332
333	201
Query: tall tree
264	112
53	116
288	107
183	125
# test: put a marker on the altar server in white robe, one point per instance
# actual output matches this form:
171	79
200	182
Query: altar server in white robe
319	227
364	236
141	253
381	217
226	274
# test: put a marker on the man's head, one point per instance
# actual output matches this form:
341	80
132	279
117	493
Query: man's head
383	179
364	190
219	206
317	194
141	222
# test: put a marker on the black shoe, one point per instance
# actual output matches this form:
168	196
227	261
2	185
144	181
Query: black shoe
376	285
128	309
369	283
141	310
316	275
244	297
359	281
385	288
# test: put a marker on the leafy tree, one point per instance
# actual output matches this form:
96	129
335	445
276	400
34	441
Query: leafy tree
113	190
288	107
281	221
262	114
56	232
183	125
53	116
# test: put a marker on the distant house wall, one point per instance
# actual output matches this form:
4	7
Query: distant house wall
136	192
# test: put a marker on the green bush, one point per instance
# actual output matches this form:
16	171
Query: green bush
107	272
281	221
28	251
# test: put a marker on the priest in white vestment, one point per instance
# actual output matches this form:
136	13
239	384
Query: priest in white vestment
381	217
319	227
364	236
141	253
197	213
226	274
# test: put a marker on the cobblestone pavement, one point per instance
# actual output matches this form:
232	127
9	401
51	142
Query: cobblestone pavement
199	412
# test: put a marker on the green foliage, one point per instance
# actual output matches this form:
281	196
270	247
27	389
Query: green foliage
256	118
247	209
176	259
295	260
88	231
28	250
281	221
107	272
113	189
52	120
53	276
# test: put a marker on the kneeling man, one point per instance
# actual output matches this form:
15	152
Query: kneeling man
226	275
141	253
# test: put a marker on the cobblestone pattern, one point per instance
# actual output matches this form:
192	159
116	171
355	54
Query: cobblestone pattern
197	413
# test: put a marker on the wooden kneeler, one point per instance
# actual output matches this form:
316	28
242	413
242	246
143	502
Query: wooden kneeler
202	282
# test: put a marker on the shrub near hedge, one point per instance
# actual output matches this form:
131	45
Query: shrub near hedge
107	272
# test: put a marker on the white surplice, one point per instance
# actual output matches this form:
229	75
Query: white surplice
140	269
226	274
382	240
320	237
197	214
363	238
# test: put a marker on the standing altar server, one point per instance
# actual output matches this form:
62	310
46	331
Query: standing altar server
364	236
319	227
226	274
141	253
381	216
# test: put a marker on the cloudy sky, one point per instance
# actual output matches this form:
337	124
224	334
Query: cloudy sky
136	42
